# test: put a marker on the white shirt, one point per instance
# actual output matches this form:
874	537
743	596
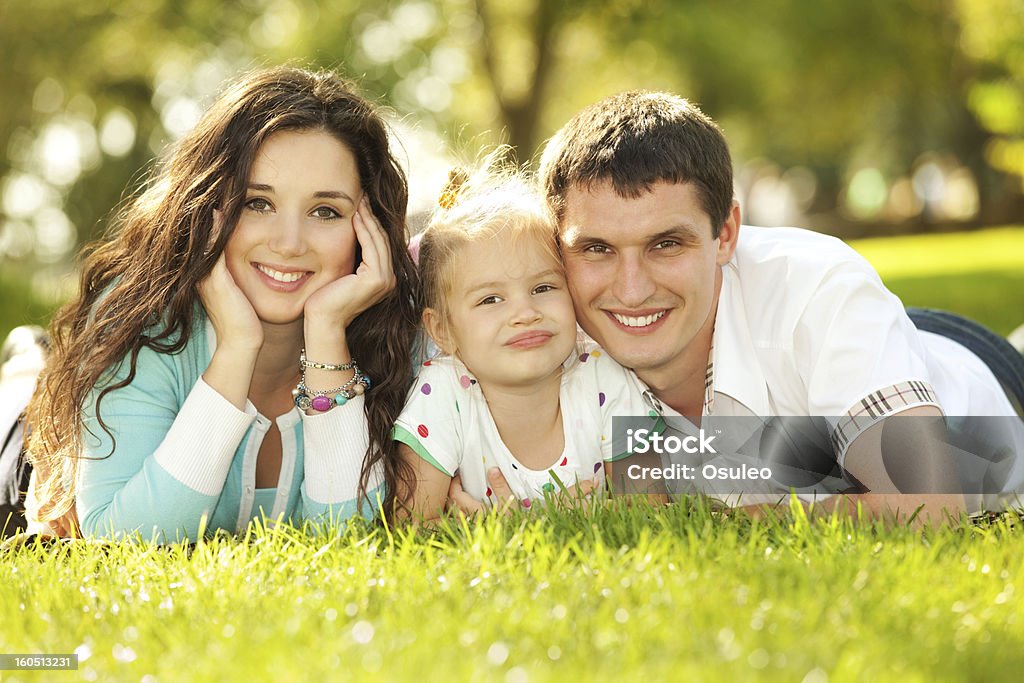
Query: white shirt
805	327
447	422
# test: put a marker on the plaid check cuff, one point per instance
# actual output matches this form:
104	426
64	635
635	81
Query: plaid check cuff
877	406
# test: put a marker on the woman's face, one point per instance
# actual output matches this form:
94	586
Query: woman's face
295	234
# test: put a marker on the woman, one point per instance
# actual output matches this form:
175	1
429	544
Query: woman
241	343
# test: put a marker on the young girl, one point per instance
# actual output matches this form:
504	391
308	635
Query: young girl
513	389
241	343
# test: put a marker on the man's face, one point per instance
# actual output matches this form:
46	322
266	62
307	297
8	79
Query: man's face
644	273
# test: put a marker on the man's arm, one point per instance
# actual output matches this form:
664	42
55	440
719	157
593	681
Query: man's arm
907	467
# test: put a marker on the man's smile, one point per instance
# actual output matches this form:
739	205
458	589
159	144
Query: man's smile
639	319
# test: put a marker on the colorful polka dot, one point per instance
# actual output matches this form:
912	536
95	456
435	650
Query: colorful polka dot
597	467
584	357
601	398
565	461
423	431
526	503
426	363
464	381
489	492
548	487
652	413
425	389
596	354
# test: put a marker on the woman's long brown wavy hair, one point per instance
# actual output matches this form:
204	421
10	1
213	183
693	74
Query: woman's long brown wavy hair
138	287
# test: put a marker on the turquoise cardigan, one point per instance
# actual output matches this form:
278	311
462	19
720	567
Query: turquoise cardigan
185	458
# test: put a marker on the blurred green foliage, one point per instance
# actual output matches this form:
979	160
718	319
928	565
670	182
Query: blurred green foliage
94	90
823	85
19	306
993	38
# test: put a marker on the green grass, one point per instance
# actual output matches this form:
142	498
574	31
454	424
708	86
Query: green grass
976	274
625	593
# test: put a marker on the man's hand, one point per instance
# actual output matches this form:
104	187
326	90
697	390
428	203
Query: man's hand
917	510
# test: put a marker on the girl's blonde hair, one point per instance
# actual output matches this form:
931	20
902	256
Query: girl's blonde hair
496	200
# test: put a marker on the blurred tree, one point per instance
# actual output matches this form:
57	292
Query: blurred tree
104	87
835	86
825	85
96	89
993	38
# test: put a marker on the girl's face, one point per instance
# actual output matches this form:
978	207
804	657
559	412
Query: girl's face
295	234
510	315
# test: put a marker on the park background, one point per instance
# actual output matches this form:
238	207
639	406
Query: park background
898	121
852	117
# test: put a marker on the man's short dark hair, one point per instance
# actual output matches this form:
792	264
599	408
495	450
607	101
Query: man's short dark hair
636	139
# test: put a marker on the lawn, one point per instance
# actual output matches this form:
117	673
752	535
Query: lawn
615	593
628	593
976	274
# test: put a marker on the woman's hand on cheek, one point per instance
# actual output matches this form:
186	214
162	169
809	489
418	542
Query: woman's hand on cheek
233	317
339	302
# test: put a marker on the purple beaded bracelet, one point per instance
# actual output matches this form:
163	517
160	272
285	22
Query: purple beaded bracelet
321	401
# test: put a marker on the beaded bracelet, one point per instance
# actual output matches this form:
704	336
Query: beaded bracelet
321	401
337	391
304	363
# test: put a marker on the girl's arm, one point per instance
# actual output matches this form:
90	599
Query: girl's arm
427	502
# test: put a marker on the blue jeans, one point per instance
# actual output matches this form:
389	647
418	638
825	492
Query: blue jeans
1005	362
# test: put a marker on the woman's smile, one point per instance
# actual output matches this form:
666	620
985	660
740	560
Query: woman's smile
283	280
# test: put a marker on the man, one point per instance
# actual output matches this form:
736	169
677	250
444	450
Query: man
716	320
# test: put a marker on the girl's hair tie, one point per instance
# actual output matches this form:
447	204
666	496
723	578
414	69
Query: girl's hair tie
457	178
